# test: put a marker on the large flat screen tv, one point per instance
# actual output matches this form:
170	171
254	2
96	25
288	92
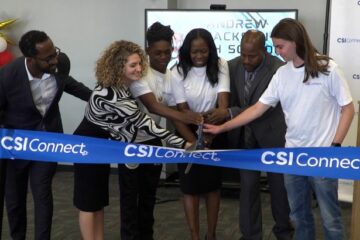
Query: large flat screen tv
226	26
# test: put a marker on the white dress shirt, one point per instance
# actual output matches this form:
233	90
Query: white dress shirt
43	90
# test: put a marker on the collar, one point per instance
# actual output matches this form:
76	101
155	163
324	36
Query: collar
31	77
157	73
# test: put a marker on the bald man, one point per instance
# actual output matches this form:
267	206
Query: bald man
250	75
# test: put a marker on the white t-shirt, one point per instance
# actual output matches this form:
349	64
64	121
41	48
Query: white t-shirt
196	89
159	84
312	110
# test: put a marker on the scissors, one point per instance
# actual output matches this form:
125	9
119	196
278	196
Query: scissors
199	145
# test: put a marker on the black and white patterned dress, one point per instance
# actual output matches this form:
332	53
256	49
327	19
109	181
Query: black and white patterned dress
112	113
117	112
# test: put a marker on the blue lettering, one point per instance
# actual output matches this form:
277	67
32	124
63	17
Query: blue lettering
227	36
261	23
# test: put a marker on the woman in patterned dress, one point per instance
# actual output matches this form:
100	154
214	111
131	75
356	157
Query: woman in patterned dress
112	113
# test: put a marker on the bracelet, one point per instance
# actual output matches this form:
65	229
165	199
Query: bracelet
335	144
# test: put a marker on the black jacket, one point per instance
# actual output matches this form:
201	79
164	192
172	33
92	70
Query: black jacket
268	130
17	105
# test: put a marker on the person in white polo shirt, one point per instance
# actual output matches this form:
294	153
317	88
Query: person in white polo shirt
318	110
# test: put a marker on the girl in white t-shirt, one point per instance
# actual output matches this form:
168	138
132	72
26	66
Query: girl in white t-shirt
200	83
154	93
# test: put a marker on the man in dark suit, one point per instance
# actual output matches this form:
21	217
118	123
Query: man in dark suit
250	75
30	90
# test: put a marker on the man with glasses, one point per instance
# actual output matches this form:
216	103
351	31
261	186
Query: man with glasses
30	90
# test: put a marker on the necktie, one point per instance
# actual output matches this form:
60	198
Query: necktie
248	82
248	138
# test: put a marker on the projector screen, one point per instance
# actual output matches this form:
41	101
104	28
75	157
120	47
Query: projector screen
226	26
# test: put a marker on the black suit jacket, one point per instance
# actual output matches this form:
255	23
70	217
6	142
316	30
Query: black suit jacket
269	130
17	105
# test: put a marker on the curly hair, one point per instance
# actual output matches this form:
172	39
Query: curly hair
157	32
110	66
29	40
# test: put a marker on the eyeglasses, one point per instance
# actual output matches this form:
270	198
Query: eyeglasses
51	57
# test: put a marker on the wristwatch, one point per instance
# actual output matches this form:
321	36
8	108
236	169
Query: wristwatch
335	144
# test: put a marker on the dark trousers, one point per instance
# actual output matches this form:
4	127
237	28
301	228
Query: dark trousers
40	174
137	200
250	206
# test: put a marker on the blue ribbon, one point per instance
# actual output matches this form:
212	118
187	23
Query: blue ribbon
54	147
